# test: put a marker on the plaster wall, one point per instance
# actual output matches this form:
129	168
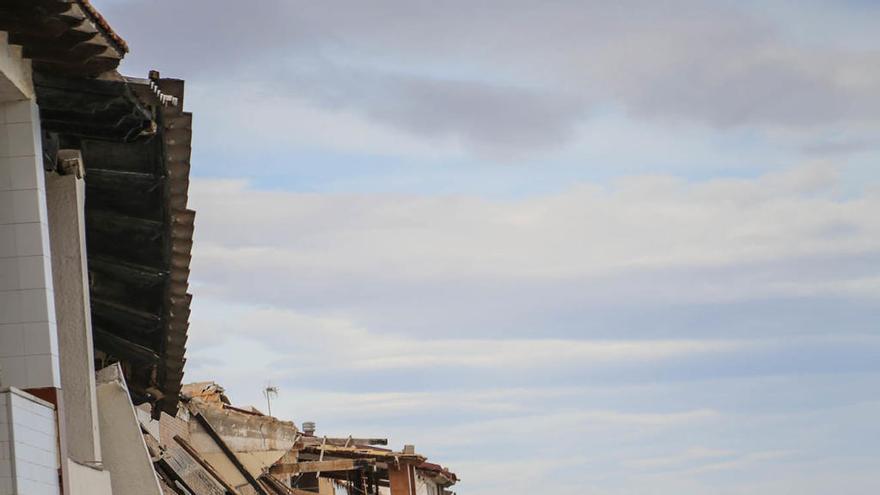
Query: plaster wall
28	335
424	486
15	72
258	441
249	432
86	480
122	442
65	195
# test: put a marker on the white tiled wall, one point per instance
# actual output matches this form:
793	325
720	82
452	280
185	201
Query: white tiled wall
5	447
28	446
28	335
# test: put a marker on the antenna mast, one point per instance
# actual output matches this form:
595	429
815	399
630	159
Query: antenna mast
270	391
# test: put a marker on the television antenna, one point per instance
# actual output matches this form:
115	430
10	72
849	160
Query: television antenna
271	391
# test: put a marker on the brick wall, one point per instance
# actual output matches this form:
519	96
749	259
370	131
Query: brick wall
169	426
401	479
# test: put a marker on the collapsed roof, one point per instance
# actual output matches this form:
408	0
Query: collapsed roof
252	452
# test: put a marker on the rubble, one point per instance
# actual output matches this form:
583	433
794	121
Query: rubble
212	446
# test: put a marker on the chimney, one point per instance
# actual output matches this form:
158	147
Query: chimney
308	428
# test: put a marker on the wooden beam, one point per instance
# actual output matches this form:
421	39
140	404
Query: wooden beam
142	229
279	486
319	466
114	179
344	442
123	348
125	319
137	276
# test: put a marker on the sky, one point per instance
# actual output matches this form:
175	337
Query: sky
566	247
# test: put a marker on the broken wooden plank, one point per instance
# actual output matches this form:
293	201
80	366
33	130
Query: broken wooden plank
319	466
344	442
279	486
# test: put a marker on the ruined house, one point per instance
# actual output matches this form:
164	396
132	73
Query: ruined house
211	446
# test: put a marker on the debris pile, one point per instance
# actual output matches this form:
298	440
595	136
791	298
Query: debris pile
212	447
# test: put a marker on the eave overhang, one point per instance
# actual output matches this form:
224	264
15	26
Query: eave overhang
62	36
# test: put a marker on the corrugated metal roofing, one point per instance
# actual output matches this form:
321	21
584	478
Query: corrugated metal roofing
177	136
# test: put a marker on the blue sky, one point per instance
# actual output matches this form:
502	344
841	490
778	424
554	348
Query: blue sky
561	247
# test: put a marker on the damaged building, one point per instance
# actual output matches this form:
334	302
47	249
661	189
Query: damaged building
95	248
95	239
211	446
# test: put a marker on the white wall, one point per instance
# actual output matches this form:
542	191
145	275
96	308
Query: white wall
28	445
28	335
424	486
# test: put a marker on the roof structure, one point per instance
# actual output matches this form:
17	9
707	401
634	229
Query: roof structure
443	476
84	108
62	36
134	139
363	451
139	233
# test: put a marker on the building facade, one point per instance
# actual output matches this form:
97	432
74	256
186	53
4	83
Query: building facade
95	239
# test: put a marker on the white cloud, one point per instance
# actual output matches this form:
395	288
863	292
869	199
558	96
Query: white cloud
310	337
647	237
389	314
688	456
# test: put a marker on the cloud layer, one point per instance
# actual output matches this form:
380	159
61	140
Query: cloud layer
507	77
571	246
669	332
468	266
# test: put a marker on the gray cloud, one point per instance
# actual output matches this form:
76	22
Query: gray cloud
838	147
500	119
445	68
